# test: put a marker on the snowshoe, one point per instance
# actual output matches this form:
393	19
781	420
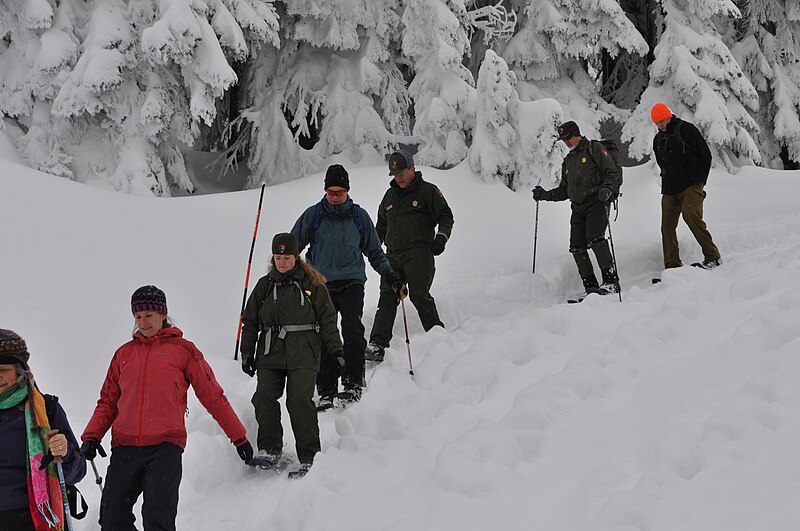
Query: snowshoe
374	353
325	403
268	461
707	264
349	396
300	472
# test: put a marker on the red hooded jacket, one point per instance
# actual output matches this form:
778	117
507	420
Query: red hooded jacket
143	398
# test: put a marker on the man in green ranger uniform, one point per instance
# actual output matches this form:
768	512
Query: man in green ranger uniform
589	179
414	222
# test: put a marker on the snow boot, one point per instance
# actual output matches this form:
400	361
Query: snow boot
325	403
300	472
610	281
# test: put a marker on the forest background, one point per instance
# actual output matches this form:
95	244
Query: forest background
133	94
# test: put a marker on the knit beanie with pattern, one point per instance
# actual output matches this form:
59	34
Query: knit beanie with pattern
13	349
149	298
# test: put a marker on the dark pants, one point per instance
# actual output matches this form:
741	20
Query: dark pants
417	268
689	204
299	384
588	226
153	470
16	520
349	302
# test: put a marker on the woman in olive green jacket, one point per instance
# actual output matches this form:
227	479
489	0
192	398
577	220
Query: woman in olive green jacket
287	315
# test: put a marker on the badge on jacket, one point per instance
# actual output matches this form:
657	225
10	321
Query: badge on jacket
583	160
389	207
414	203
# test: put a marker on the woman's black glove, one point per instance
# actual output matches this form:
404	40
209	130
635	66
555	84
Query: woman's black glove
90	448
244	449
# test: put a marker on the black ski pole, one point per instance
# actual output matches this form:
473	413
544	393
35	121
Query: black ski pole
535	237
408	341
613	255
247	276
97	478
64	499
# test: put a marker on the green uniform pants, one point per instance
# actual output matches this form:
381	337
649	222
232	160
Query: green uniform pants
416	267
688	203
299	384
588	226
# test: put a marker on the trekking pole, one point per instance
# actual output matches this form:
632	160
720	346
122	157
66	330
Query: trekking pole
97	478
613	254
408	341
247	276
535	237
64	499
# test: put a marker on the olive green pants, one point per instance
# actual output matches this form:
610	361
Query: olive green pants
588	225
299	384
416	267
689	204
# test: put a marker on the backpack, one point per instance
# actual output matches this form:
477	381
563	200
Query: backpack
51	408
613	149
319	215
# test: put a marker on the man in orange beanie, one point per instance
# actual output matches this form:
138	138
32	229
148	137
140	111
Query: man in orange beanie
685	160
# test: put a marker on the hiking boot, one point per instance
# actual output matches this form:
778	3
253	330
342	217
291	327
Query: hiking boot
610	281
374	352
590	284
708	264
300	472
325	403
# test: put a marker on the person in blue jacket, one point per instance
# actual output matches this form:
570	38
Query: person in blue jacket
339	234
30	495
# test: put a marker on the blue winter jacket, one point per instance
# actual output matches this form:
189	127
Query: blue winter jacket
339	248
13	459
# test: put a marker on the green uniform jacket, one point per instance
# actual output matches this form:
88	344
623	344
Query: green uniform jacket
297	350
407	218
586	169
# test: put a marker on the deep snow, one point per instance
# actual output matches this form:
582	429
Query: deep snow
673	410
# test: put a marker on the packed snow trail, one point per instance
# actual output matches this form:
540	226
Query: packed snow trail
675	409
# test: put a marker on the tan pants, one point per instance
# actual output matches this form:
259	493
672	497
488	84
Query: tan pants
688	203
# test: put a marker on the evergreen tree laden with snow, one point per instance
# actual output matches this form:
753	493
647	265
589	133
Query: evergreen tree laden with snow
142	77
513	141
333	87
767	46
696	75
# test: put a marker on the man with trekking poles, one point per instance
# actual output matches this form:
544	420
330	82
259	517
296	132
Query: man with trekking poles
590	180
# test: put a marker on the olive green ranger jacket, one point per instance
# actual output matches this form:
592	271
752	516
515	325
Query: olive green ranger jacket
586	168
408	218
288	299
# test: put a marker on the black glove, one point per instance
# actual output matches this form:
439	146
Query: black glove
604	194
90	448
437	247
540	194
340	363
249	366
244	449
397	285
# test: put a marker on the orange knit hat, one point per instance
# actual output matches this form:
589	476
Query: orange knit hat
659	112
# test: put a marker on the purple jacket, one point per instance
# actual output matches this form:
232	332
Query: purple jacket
13	486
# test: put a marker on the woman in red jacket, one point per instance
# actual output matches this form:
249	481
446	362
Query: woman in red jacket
143	401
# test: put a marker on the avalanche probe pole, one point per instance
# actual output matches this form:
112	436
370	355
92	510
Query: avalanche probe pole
408	341
535	237
247	277
613	254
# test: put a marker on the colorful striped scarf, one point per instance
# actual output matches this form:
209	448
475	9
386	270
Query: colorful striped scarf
44	490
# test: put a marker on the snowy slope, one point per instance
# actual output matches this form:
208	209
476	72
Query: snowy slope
674	410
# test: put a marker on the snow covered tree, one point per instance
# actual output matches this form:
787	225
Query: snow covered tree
767	46
333	87
114	102
696	75
436	42
513	140
551	51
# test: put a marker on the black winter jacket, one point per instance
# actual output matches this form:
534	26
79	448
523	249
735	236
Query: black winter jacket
683	156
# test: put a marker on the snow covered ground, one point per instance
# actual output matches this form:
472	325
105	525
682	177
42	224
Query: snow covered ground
676	409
